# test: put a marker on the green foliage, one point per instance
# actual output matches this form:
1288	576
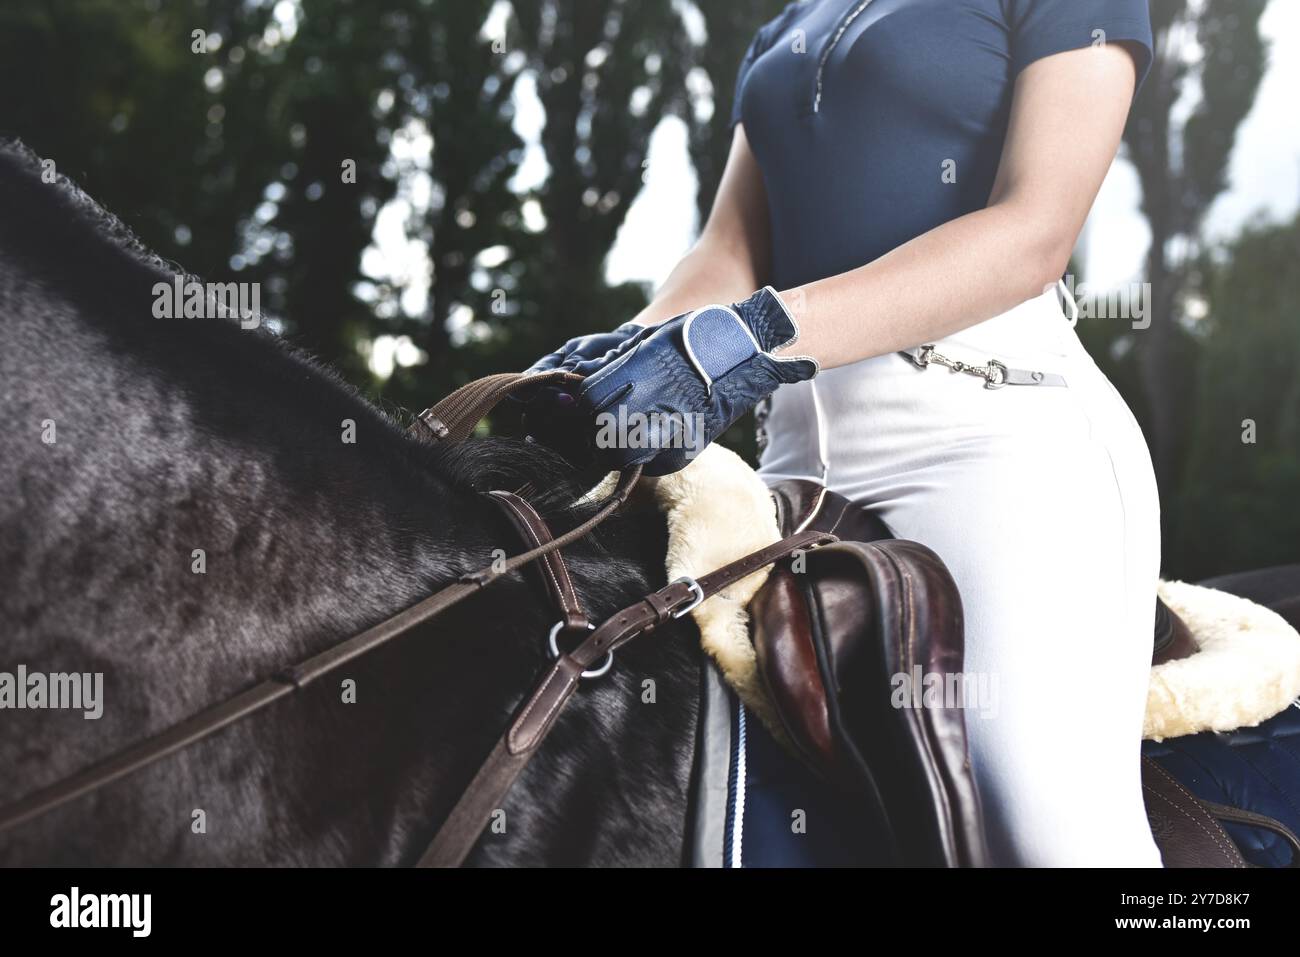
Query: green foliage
1235	505
730	26
1182	157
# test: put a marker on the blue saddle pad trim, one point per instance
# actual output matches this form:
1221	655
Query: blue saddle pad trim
1257	769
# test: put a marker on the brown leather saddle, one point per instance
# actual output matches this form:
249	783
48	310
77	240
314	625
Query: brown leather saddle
832	628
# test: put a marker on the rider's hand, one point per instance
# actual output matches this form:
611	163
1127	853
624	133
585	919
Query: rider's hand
550	411
582	350
666	395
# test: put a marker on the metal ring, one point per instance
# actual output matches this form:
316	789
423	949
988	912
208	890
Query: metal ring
695	587
553	640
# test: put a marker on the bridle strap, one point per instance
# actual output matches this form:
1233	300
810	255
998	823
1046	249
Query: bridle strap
288	679
554	572
455	417
486	792
471	402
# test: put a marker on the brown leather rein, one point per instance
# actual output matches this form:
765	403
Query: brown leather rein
454	419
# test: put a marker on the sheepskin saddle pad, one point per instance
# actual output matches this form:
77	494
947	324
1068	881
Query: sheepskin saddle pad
1245	671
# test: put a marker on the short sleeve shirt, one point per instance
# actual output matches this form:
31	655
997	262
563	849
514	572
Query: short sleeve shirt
874	121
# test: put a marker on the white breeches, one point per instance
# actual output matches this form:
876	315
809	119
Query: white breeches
1042	502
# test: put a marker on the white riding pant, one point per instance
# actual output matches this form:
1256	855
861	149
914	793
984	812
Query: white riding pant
1042	502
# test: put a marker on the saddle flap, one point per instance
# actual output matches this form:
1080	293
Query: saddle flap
832	638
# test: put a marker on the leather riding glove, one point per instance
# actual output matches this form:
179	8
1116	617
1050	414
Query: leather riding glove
584	349
667	395
550	411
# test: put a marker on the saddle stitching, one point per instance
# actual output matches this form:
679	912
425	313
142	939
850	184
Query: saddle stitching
529	708
1192	798
839	519
563	588
1218	842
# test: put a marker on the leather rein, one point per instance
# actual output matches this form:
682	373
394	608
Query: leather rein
451	420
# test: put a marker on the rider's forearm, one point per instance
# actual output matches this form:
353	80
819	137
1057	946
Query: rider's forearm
957	274
712	271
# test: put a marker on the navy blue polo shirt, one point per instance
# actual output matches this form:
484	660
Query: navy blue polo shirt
874	121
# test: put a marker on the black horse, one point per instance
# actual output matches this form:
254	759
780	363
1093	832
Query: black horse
129	443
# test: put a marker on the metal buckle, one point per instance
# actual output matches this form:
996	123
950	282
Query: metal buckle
923	360
435	425
695	587
995	367
994	373
554	643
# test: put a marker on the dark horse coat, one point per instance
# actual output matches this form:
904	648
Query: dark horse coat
128	442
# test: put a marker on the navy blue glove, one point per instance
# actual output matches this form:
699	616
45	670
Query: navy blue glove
660	400
582	350
550	410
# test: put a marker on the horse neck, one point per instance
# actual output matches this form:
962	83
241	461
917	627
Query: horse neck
206	468
189	507
187	504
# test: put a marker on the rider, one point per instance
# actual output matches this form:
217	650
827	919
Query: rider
907	173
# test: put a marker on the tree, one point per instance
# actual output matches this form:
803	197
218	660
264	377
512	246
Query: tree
606	71
117	95
730	27
458	83
1235	508
1182	167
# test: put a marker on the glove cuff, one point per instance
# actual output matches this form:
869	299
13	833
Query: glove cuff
774	327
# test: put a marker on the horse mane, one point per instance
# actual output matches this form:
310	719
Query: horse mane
20	167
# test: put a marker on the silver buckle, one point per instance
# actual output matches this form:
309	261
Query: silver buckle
994	373
695	587
998	369
922	360
555	651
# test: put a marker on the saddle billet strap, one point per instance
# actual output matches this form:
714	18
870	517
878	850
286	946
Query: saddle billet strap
994	373
488	789
555	573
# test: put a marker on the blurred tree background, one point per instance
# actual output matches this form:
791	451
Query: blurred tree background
277	144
